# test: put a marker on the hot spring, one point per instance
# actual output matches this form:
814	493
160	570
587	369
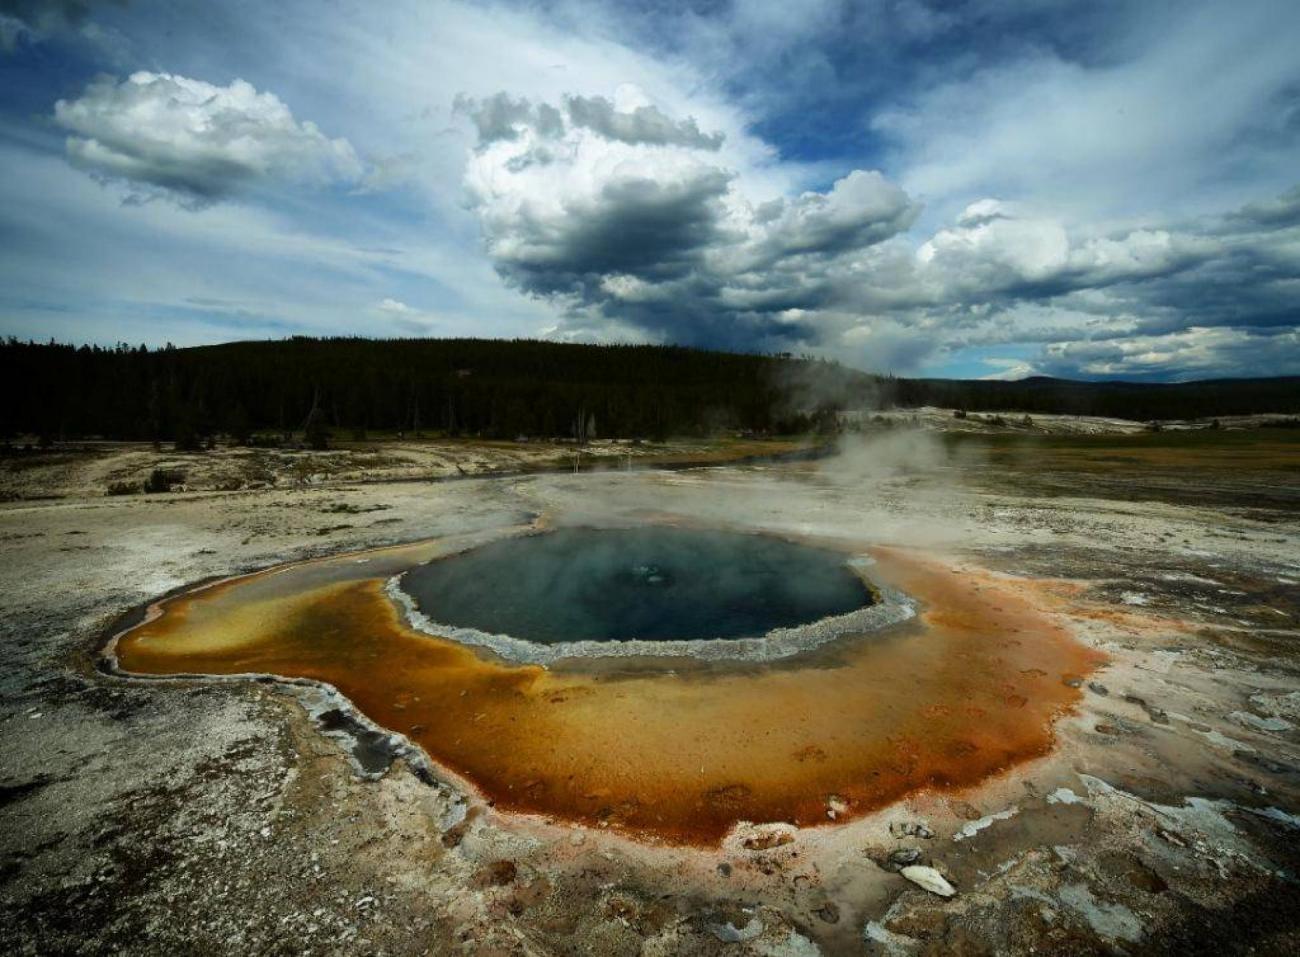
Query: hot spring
646	583
760	679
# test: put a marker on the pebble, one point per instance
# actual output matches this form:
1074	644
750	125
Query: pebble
903	857
910	829
835	806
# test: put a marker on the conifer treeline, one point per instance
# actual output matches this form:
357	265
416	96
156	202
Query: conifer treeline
1140	401
489	388
504	389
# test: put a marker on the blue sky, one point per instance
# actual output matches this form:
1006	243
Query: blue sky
978	188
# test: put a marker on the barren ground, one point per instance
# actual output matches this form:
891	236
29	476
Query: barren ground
220	816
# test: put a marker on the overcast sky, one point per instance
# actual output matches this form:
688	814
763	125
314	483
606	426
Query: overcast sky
983	188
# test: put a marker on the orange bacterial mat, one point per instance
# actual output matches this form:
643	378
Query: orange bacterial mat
964	691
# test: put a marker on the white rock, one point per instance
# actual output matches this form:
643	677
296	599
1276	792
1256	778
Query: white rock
1064	796
928	878
729	933
971	828
889	943
1248	720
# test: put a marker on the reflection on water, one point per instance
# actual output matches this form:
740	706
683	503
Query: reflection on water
653	583
967	690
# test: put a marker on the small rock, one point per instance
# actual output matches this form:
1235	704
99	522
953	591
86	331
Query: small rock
929	879
1064	796
1098	688
767	838
1170	836
724	869
729	933
1072	681
903	857
835	806
910	829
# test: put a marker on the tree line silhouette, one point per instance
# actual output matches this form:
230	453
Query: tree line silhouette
318	387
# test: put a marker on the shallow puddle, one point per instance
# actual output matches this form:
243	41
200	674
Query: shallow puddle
965	691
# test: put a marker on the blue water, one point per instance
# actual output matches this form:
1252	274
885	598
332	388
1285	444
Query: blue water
651	583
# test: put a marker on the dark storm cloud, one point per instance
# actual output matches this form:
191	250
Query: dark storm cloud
1280	213
639	227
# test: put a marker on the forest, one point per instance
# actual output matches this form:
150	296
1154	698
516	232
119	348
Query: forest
349	387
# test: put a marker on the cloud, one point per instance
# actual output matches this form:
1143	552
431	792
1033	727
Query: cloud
502	117
656	240
641	124
860	210
36	21
499	117
36	18
1008	369
406	318
884	182
1196	352
1280	213
641	227
194	142
1105	124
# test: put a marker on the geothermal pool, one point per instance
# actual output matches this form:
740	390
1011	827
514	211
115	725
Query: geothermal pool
676	748
649	583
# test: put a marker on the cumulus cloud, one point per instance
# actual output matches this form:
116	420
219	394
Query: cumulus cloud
164	134
1052	187
655	239
860	210
626	216
652	238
